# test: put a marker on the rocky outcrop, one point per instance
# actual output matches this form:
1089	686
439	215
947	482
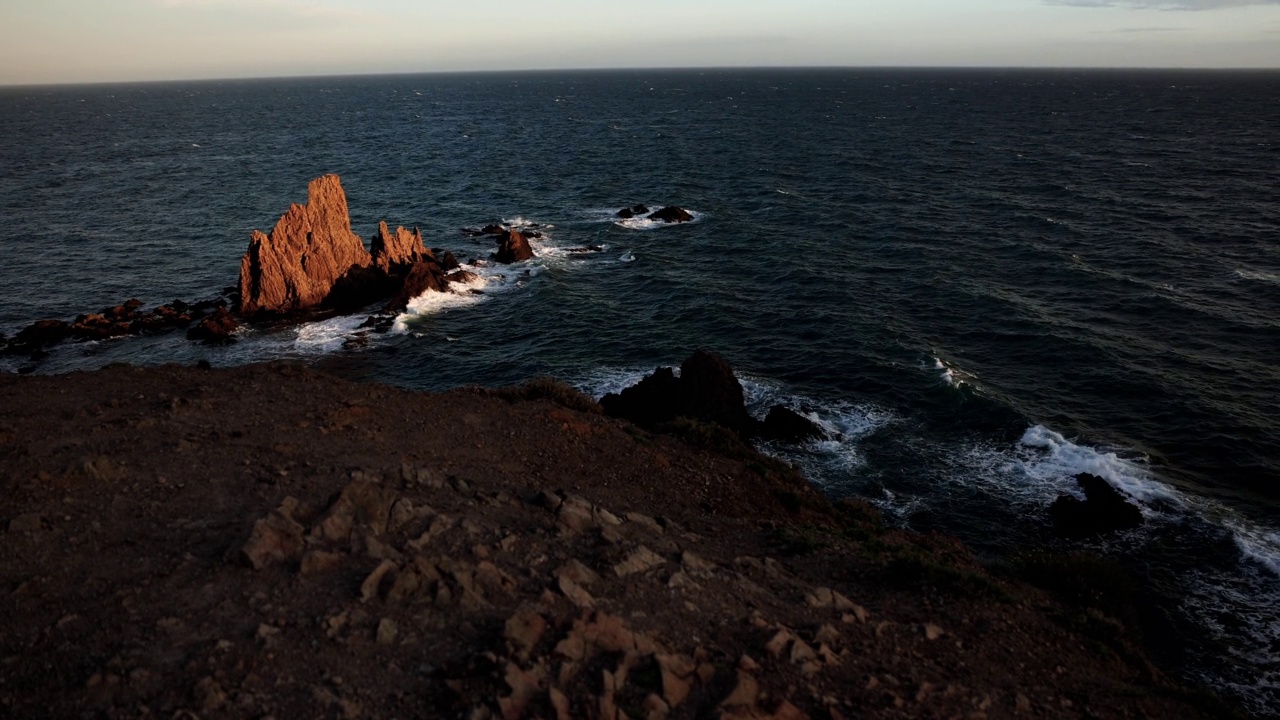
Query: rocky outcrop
712	392
395	254
1103	510
513	246
311	247
706	390
127	318
672	214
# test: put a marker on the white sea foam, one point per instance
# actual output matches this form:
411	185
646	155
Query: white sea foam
602	381
489	280
326	335
1239	611
1257	275
1256	544
1061	458
825	462
954	376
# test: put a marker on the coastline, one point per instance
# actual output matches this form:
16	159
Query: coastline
498	553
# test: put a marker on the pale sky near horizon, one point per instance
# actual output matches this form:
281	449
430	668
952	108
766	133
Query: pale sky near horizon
58	41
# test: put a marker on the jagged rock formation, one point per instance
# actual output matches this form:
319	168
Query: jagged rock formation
311	247
395	254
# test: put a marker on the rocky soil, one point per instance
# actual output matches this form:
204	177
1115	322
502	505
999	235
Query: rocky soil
271	541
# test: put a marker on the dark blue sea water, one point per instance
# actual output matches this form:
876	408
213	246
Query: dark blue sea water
987	280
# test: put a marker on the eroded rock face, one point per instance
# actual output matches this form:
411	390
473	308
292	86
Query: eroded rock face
396	253
311	247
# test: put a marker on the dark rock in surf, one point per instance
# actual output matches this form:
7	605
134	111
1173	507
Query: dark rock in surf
672	214
783	424
216	329
707	390
493	230
462	276
654	400
1103	510
627	213
448	262
37	335
378	323
423	277
513	247
587	249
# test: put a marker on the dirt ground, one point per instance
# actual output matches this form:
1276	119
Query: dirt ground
272	541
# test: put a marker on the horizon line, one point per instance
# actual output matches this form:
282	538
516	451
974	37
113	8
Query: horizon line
690	68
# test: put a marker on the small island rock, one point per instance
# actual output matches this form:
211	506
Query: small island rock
1103	510
672	214
513	247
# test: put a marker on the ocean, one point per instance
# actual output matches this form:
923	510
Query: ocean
986	281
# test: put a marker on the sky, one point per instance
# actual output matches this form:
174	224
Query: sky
66	41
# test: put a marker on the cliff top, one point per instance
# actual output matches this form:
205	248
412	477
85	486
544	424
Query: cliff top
271	541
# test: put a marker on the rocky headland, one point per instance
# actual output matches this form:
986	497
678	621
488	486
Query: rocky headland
271	541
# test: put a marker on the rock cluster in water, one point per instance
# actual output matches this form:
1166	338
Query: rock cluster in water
706	390
670	214
312	260
212	323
